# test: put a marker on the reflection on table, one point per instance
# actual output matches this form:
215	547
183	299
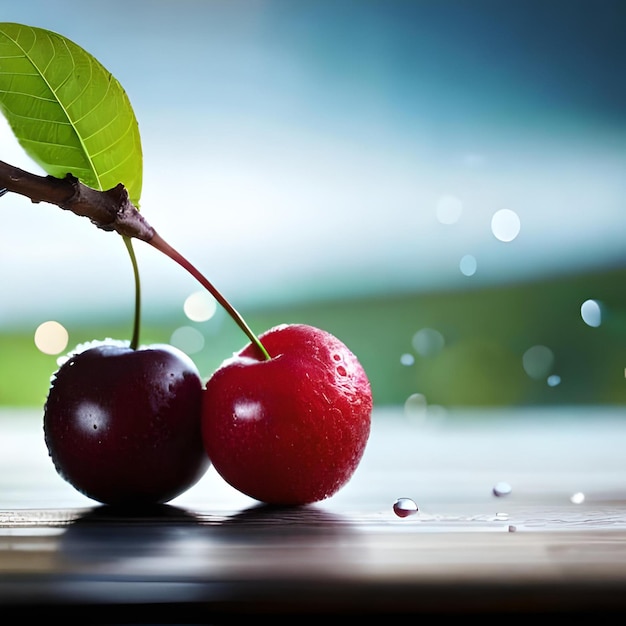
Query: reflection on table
554	540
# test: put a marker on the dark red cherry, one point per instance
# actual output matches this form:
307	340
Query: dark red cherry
123	426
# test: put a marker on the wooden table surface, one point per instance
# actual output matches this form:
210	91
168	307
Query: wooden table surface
556	543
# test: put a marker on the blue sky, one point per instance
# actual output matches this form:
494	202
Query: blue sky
299	149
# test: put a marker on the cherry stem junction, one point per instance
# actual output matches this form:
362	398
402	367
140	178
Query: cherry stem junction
110	210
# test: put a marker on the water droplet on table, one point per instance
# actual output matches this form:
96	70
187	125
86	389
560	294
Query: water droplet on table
501	489
578	497
403	507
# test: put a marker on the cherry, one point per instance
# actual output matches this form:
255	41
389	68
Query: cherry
123	425
290	429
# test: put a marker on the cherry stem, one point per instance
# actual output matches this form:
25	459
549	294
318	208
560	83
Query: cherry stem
134	342
161	245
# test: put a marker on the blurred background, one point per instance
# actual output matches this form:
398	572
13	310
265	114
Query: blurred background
440	183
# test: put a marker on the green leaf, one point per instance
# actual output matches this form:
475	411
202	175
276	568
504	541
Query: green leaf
67	111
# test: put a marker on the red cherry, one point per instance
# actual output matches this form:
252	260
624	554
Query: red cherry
292	429
123	426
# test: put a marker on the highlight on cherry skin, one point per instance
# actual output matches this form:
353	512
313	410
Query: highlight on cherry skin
292	429
123	425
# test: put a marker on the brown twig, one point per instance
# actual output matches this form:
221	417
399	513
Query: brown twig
109	210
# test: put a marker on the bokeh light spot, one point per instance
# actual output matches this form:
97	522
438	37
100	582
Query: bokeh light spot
591	312
187	339
415	406
538	361
554	380
449	209
407	359
468	265
505	225
51	337
428	342
200	306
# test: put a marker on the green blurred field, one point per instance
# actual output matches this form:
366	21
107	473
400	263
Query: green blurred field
487	332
